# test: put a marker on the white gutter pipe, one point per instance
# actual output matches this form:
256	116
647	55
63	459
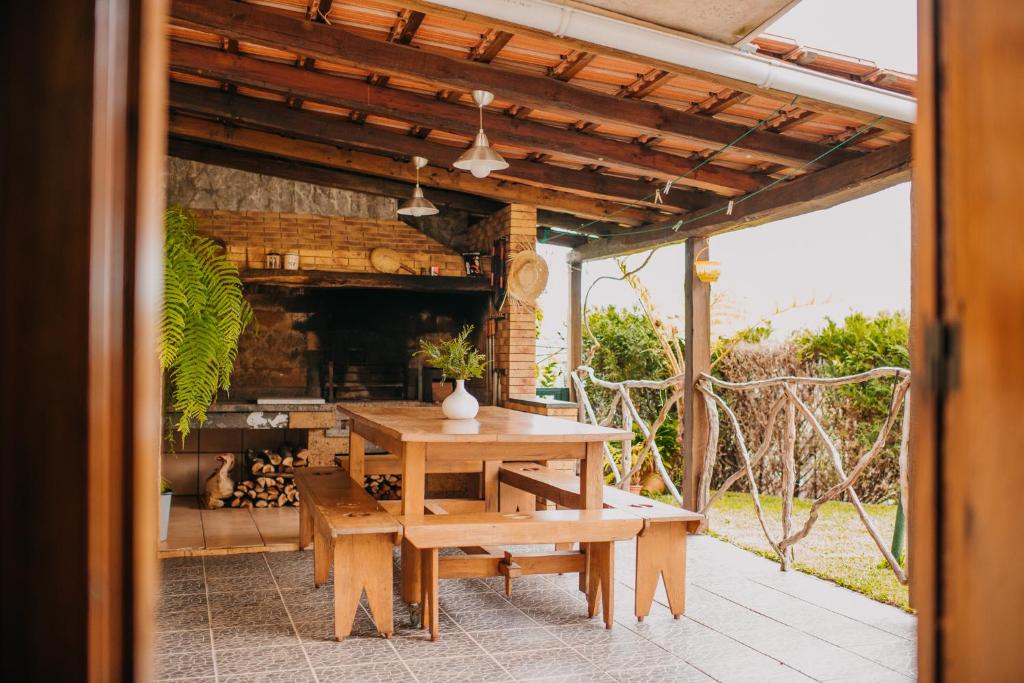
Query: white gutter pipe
571	22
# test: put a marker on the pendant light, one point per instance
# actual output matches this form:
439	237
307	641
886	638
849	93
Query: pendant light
417	205
480	159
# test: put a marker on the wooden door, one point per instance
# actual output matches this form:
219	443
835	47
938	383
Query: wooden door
968	342
81	198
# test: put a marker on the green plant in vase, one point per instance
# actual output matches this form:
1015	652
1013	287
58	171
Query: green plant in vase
457	359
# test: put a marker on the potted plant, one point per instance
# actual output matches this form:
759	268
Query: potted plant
165	507
457	359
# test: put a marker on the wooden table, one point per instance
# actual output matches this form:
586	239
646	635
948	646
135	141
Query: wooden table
421	434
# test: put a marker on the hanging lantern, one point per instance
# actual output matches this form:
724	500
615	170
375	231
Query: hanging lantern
417	205
705	270
481	159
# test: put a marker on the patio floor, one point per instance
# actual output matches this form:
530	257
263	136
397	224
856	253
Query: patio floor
256	617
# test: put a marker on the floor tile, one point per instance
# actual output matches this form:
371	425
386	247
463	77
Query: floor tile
481	669
195	640
525	666
453	603
448	645
184	665
174	602
517	640
677	672
260	659
182	587
253	635
490	620
297	676
352	650
182	620
376	672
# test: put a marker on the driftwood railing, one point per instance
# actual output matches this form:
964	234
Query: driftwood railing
786	401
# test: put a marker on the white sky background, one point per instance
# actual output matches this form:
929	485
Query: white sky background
852	257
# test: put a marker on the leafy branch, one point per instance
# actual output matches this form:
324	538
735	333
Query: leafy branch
456	358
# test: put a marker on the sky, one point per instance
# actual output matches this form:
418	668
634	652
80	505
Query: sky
799	271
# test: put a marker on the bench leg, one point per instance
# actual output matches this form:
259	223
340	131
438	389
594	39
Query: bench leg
305	526
322	550
600	580
410	573
429	591
661	551
362	562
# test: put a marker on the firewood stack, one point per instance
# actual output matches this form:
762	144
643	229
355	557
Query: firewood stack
384	486
272	480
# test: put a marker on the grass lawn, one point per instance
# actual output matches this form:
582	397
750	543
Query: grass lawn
838	548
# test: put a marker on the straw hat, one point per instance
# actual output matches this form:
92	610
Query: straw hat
527	276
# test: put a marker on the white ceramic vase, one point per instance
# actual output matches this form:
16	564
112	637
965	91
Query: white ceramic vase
460	404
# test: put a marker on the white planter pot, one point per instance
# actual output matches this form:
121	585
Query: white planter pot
165	514
460	405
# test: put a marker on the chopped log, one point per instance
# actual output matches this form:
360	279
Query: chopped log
287	461
275	459
282	500
268	469
262	504
257	466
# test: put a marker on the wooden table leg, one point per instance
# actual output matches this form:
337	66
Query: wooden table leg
591	493
356	456
600	581
491	486
661	552
412	457
305	526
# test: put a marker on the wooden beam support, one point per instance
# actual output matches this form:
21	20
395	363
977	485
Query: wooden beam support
319	175
432	113
822	106
811	192
697	300
575	321
372	164
248	22
339	130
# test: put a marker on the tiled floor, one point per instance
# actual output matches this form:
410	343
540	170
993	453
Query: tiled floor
257	618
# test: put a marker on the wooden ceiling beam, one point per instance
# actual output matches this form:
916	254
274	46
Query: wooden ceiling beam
337	130
454	118
645	84
821	190
372	164
719	102
323	176
249	22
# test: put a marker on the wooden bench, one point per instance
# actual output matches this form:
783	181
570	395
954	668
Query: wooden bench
597	528
660	549
351	529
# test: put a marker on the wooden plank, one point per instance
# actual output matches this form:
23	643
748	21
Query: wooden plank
555	526
230	528
277	526
389	464
337	280
452	505
697	296
592	50
343	506
436	114
319	175
185	531
812	192
338	130
426	424
334	44
972	374
470	566
575	321
372	164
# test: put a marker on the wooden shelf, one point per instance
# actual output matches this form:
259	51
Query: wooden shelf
339	280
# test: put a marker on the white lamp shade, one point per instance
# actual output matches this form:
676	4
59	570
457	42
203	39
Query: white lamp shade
480	159
417	205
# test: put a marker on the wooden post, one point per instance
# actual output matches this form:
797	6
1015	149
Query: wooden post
698	359
575	323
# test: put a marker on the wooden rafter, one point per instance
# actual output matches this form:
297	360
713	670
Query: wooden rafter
372	164
249	22
645	84
320	175
431	113
718	102
822	189
340	131
570	65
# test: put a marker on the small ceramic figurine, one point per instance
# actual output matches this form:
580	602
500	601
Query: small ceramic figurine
219	484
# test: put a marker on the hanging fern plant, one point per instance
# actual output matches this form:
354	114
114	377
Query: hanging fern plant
204	314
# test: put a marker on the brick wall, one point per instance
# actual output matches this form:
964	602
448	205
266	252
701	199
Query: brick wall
516	334
335	243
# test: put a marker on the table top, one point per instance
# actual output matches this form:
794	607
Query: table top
426	424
